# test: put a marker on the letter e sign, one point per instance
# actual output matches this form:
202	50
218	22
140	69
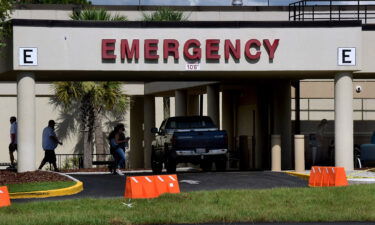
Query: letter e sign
28	56
346	56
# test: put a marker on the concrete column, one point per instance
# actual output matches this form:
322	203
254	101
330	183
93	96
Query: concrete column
213	110
136	133
282	120
297	106
193	105
299	153
227	117
276	153
344	120
149	122
26	122
180	103
166	107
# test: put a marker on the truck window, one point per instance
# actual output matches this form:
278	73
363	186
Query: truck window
190	123
162	125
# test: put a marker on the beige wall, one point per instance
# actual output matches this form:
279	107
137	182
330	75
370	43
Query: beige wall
44	112
368	46
134	15
41	14
317	100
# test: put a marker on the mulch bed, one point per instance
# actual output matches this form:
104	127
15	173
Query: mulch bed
11	177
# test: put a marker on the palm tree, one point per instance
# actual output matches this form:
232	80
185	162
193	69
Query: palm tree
96	15
86	104
165	14
90	101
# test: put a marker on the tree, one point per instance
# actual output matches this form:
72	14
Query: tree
97	15
94	100
88	103
165	14
5	10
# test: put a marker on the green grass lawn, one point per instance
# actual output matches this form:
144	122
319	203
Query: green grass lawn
353	203
38	186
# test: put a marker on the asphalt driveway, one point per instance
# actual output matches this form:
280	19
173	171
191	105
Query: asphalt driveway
108	185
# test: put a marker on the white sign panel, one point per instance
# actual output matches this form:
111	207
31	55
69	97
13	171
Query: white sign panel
346	57
28	56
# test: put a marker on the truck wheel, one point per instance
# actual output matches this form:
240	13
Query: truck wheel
156	165
206	165
221	165
171	165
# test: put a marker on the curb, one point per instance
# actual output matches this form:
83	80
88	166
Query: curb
351	179
300	175
78	187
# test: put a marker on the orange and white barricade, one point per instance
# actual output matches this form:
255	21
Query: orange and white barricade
4	196
327	177
151	186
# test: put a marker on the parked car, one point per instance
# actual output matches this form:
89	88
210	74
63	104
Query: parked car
188	139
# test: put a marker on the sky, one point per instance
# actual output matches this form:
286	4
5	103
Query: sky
191	2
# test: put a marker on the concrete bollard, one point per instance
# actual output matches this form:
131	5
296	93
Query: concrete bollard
299	153
276	153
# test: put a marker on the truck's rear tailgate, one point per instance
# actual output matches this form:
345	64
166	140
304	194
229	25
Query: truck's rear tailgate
189	140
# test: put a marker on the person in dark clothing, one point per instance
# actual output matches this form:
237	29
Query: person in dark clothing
117	143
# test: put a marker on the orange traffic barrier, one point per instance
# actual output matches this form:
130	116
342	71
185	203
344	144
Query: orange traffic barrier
173	186
327	176
340	177
133	188
161	184
150	186
4	197
315	176
312	176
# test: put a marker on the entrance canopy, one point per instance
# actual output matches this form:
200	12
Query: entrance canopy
45	50
76	50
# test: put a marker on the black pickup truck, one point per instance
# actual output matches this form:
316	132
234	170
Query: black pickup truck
188	139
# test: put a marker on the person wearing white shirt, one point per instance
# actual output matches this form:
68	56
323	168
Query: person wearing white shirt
13	139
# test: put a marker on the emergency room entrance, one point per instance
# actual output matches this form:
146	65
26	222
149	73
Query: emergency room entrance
252	64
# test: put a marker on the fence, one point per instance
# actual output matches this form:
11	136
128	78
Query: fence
330	10
75	161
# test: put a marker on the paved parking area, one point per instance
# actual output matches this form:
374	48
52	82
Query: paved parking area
108	185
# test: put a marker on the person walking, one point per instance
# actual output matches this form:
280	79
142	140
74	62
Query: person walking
49	143
13	140
117	143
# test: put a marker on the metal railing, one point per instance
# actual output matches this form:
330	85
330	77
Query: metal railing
75	161
332	10
69	161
